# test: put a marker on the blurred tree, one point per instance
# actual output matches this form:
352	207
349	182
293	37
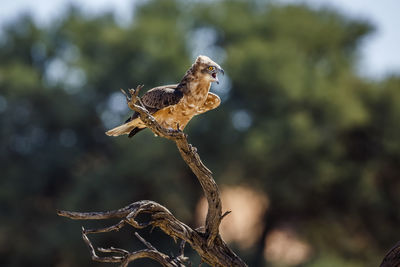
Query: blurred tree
296	121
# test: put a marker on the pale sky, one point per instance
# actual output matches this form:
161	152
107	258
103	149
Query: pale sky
380	55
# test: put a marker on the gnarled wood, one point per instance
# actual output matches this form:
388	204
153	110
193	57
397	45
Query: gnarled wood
208	244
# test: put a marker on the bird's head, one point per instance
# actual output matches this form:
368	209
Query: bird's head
208	68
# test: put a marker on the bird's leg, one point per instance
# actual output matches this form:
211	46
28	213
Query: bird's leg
177	128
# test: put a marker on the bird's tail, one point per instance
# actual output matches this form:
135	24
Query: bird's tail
125	128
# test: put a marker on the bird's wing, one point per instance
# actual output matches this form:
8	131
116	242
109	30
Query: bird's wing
212	102
161	97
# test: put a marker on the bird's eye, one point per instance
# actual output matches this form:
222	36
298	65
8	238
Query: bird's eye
211	68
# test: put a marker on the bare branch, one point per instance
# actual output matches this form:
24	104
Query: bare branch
206	241
182	248
93	252
225	214
126	257
147	244
115	250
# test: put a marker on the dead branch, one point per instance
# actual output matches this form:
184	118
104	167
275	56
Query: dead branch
126	257
207	243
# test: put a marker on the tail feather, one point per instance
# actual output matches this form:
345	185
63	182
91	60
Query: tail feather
124	128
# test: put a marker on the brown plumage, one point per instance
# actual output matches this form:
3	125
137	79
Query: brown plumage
175	105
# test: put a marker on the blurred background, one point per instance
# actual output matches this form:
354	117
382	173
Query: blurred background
305	146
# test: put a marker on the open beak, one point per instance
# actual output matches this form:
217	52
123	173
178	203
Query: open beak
216	77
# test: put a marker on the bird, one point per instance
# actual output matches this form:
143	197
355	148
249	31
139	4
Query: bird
173	106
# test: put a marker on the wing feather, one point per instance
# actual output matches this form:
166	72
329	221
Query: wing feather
161	97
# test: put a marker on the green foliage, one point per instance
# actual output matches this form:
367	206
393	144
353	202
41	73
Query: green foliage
297	122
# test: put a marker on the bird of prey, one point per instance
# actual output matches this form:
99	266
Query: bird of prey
173	106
